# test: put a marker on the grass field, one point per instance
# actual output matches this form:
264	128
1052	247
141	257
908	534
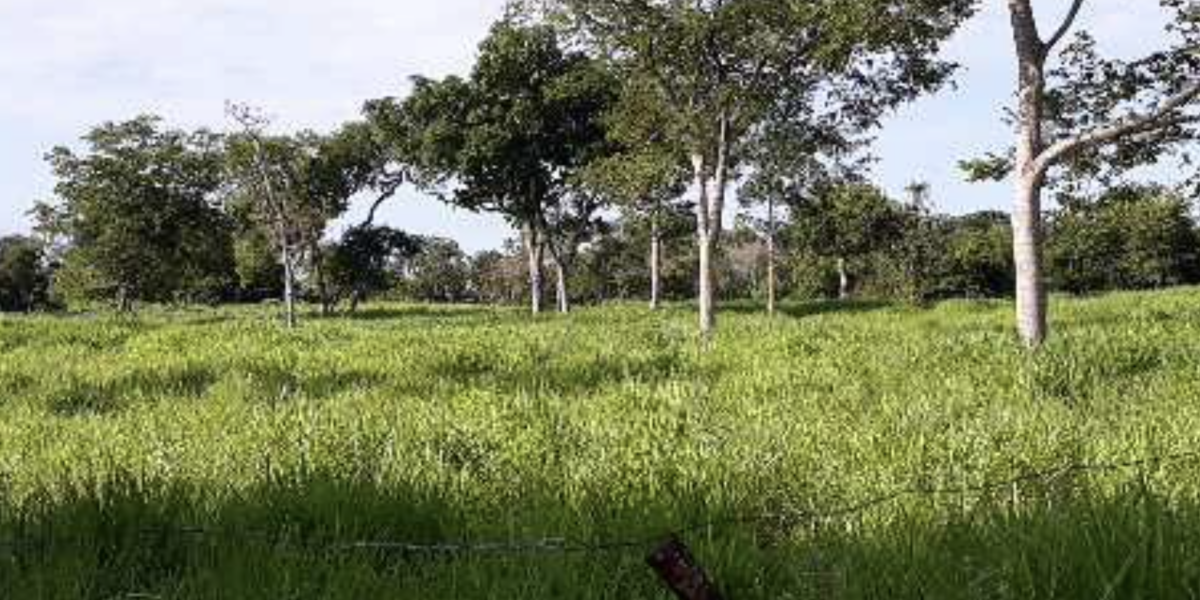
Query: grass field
211	454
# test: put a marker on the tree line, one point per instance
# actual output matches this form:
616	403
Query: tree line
612	135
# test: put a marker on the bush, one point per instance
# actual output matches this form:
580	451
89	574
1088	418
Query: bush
1130	238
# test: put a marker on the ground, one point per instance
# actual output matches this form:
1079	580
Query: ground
836	451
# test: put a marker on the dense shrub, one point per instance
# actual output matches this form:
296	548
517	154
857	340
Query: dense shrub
1130	238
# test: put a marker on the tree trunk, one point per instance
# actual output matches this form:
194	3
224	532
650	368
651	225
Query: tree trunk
704	243
771	276
1030	175
1027	255
328	302
534	250
289	295
707	285
843	280
564	301
655	263
124	304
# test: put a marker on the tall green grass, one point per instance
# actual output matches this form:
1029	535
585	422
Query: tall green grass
211	454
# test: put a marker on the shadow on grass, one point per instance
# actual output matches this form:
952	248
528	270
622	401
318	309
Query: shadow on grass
804	310
84	398
416	312
316	536
541	371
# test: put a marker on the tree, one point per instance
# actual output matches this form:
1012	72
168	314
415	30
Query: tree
615	265
846	224
362	263
978	259
798	153
140	212
1130	238
24	281
440	272
1086	116
919	245
719	66
513	138
294	186
259	273
497	276
572	221
644	176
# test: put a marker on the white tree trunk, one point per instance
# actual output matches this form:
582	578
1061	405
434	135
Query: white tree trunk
843	280
771	275
1027	255
564	300
707	285
704	242
655	263
534	250
289	286
1030	175
709	213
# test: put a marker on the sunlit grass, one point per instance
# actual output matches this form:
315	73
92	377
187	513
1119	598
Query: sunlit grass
426	424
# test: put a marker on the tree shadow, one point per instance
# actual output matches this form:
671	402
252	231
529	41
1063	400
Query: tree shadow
84	397
288	383
809	309
319	534
542	372
416	312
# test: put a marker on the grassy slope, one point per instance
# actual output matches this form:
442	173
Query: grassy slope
444	424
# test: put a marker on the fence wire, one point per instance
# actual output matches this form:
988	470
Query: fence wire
548	546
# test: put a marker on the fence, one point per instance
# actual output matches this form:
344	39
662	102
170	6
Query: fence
668	554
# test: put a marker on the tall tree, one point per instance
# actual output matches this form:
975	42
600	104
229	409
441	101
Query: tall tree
798	154
644	176
274	177
362	262
513	138
140	212
719	66
1087	115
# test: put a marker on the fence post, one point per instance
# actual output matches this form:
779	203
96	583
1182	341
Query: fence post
679	570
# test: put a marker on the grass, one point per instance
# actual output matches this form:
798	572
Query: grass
210	454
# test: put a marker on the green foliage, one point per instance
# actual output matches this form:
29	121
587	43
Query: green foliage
439	272
851	222
359	265
978	259
140	213
617	265
260	276
508	139
120	438
1130	238
24	280
1086	92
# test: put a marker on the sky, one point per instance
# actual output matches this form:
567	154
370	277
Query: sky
68	65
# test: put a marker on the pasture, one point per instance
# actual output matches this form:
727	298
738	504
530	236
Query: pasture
835	451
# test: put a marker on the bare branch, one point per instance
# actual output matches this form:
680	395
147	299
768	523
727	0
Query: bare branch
1065	27
386	193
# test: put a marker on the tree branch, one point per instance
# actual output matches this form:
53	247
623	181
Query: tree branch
388	191
1161	117
1064	28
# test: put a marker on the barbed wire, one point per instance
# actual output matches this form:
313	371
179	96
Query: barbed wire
787	518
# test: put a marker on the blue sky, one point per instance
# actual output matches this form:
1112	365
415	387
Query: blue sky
70	64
